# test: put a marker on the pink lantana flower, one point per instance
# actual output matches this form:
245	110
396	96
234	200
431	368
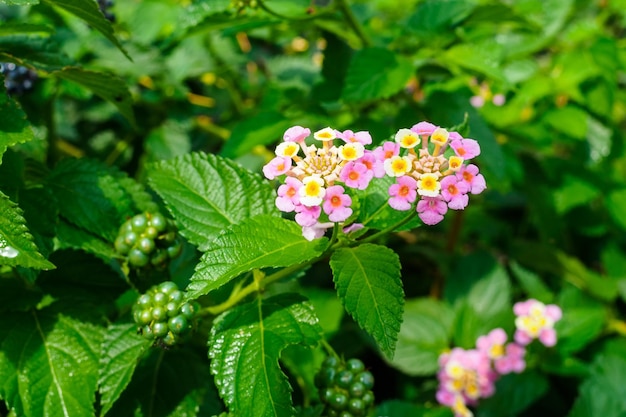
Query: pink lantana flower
277	166
470	175
288	198
536	320
372	164
387	150
431	210
316	231
465	373
465	148
512	361
296	134
424	128
403	193
307	216
455	192
337	204
349	136
356	175
492	344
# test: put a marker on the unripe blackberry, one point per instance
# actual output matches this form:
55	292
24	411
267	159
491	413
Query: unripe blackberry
17	79
162	316
148	240
345	387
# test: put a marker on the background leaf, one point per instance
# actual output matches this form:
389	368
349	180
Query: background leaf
207	193
15	127
245	344
259	242
515	393
367	279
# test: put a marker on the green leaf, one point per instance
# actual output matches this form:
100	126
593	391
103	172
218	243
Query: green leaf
245	344
375	211
482	57
91	196
424	335
121	349
16	243
375	73
17	295
515	393
195	13
262	129
48	364
616	205
433	17
367	279
207	193
31	45
574	192
169	383
259	242
71	236
397	408
569	120
532	284
14	126
92	15
20	2
582	322
107	86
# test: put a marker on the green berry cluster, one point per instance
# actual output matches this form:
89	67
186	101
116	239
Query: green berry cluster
345	387
148	239
162	315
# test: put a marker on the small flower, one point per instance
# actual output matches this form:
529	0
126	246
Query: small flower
397	166
498	99
440	136
455	163
316	231
387	150
512	360
356	175
465	148
307	216
277	166
337	204
325	135
535	320
364	137
407	139
470	175
375	166
287	149
428	185
403	193
424	128
455	192
431	210
288	197
492	344
312	192
296	134
477	101
351	151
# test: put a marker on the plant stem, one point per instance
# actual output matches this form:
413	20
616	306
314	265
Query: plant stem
269	11
388	229
353	22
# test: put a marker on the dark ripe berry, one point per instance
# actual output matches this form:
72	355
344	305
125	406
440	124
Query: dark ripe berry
168	287
159	313
146	245
356	406
139	223
145	317
178	324
325	377
17	79
344	378
338	400
138	258
368	398
174	250
160	329
159	222
366	378
326	393
160	299
355	366
151	232
121	246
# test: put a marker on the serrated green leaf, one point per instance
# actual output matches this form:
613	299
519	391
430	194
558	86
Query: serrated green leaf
16	243
375	73
107	86
259	242
14	126
31	45
180	385
367	279
433	17
424	335
245	344
375	211
516	392
90	196
121	349
207	193
92	15
263	129
48	364
73	237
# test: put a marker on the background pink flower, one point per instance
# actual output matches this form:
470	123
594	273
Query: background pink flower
465	148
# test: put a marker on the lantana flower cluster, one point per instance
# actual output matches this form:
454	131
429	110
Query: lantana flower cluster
427	161
467	375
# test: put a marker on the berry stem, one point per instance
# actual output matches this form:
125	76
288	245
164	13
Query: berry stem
329	349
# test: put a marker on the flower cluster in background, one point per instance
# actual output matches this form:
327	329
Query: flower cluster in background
427	161
467	375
